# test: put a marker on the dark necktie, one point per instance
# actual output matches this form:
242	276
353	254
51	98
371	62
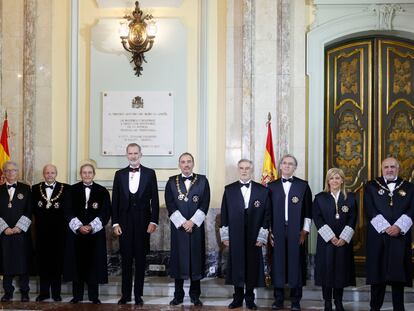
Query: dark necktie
190	178
287	179
247	185
88	186
11	186
391	182
47	186
134	169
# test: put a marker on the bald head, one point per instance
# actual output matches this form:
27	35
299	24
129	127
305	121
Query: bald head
49	173
390	168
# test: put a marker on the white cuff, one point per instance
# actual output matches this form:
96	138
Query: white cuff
177	219
307	224
23	223
224	233
404	223
347	234
326	233
3	225
75	224
96	225
262	236
114	225
156	225
380	223
198	217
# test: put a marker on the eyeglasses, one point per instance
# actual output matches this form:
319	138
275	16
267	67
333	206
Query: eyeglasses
10	171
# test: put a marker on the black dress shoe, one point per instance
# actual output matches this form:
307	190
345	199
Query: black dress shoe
251	305
197	302
6	298
295	306
339	306
277	305
57	298
139	301
74	300
96	301
25	298
176	302
328	305
42	297
235	304
123	301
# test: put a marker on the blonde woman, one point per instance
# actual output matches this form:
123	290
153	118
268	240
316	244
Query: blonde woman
334	213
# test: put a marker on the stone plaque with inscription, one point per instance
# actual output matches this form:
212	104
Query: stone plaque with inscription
146	118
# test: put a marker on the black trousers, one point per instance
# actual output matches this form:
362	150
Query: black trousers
23	284
378	292
328	291
195	289
295	294
240	294
78	288
50	284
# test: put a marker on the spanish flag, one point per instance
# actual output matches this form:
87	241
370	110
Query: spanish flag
4	144
269	172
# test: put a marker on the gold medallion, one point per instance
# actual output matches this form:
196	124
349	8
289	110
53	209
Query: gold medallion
402	193
48	205
9	205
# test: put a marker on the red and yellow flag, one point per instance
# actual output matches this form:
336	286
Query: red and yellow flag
4	144
269	172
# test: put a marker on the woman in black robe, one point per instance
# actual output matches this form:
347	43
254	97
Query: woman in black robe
334	213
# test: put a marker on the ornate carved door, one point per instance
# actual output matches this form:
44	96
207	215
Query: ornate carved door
369	112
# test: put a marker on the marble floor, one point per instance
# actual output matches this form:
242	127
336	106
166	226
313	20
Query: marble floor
161	303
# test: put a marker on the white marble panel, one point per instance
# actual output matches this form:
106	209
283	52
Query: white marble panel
266	20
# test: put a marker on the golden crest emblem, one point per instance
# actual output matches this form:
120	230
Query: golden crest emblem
402	193
95	205
295	200
20	196
345	209
256	203
196	198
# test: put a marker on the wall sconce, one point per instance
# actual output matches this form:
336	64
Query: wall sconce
137	36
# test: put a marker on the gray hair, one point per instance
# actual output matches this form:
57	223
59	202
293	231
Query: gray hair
10	162
289	156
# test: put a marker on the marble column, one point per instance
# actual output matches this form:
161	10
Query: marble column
29	87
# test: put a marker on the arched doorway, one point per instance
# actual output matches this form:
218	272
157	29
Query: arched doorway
369	112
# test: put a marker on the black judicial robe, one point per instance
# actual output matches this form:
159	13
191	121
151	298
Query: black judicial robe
16	250
146	211
299	208
50	228
334	266
86	258
187	249
388	258
245	261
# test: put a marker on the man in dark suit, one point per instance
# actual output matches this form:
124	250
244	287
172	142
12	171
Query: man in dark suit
187	197
291	221
389	208
135	210
49	200
245	213
15	241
